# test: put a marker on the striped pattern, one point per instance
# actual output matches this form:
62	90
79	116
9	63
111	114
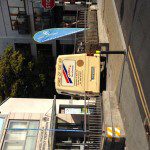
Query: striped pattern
68	80
139	85
117	132
113	132
109	132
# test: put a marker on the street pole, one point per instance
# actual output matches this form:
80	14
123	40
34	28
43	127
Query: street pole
84	121
113	52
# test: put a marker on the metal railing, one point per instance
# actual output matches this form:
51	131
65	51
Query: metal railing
95	124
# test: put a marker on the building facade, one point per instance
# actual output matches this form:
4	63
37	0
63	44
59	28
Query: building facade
41	124
24	123
21	19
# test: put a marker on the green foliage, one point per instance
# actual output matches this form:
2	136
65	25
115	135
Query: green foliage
20	76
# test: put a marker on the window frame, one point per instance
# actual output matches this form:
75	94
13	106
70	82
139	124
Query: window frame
22	142
4	121
12	20
34	17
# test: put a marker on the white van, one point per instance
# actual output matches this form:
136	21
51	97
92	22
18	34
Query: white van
78	74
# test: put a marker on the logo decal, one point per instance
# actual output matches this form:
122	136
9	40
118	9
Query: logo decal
68	72
65	73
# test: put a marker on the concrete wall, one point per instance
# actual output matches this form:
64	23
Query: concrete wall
120	80
29	109
2	24
68	102
42	135
101	27
26	105
34	105
38	109
115	39
70	118
9	36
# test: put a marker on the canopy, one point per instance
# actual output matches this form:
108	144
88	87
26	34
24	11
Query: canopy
54	33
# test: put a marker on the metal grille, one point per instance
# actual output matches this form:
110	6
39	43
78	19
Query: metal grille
88	41
95	124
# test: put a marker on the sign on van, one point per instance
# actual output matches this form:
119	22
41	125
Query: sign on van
68	70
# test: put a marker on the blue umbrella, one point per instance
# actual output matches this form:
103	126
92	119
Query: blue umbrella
55	33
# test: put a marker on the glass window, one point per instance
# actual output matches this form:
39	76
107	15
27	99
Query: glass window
14	7
30	143
72	110
14	18
13	146
16	3
21	9
17	135
33	125
1	125
42	17
21	135
37	5
21	125
13	11
69	18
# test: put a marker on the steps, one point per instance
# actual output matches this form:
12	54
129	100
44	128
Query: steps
92	34
80	37
88	39
95	124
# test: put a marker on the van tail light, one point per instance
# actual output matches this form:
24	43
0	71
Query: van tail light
90	54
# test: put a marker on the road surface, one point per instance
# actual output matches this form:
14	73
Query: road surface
135	22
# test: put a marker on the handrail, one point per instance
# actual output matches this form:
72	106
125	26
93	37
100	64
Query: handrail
76	34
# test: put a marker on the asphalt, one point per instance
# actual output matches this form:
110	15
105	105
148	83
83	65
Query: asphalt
120	76
135	22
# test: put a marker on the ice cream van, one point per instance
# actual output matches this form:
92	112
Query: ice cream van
78	74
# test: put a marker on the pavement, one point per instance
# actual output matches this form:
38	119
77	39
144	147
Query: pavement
112	116
135	22
120	77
